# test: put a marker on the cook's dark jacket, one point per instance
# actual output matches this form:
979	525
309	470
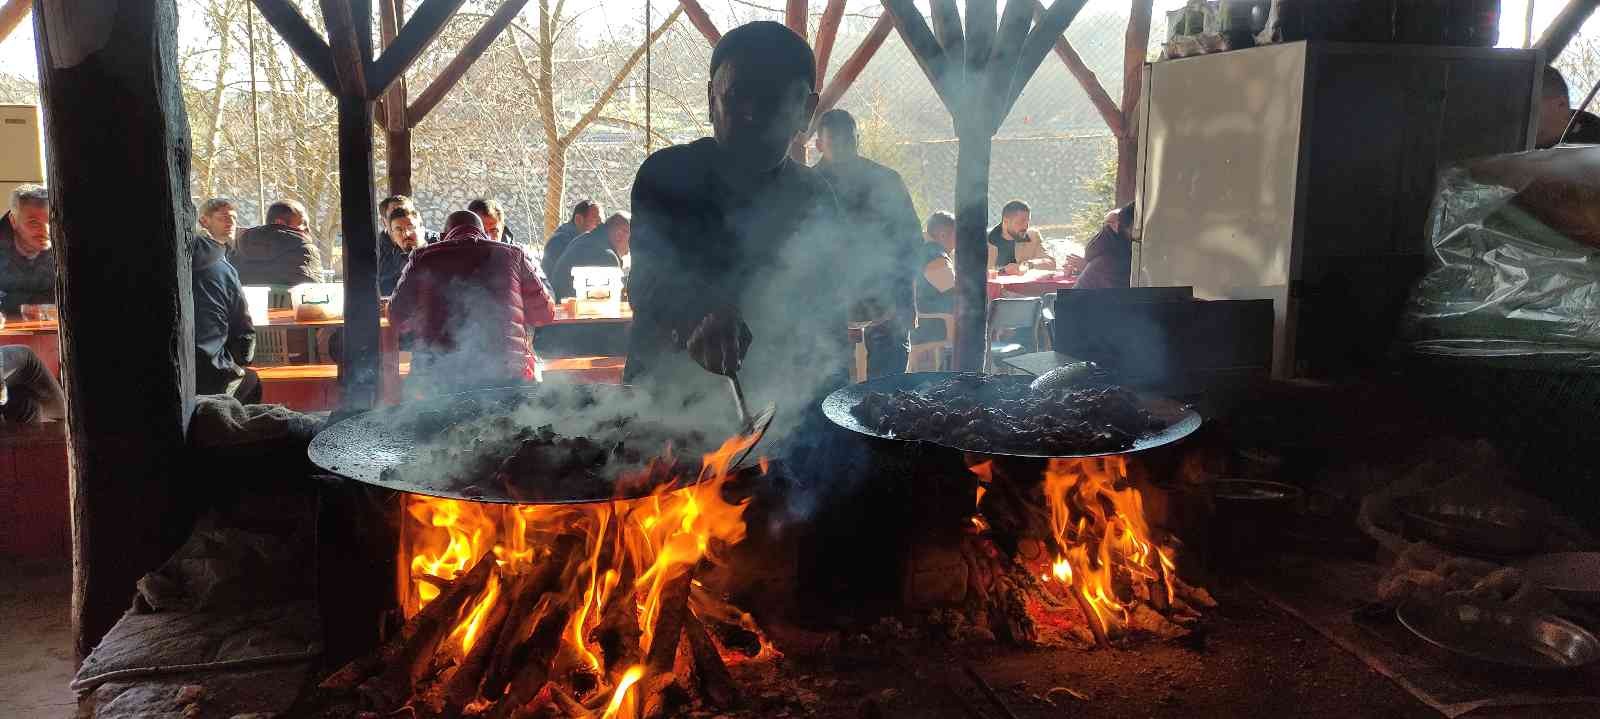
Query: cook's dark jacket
772	248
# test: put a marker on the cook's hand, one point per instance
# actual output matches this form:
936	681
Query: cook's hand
719	343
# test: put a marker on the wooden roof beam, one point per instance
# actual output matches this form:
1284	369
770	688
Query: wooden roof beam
414	37
947	29
827	33
998	72
701	21
1103	104
794	16
349	62
853	65
306	43
13	11
979	38
474	49
1040	40
1565	27
914	32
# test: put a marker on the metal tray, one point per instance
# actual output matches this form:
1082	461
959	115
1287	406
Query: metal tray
1508	638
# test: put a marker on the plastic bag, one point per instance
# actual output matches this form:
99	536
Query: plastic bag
1514	266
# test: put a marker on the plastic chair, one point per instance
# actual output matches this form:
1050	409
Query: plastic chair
272	346
1013	328
934	356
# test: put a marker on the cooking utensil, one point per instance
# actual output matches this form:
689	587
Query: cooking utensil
738	398
1180	420
1506	637
1572	575
1496	531
362	446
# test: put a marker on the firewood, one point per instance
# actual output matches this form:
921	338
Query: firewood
711	674
1089	617
568	705
463	684
1196	596
534	664
660	695
394	684
734	628
618	633
670	616
1145	619
524	615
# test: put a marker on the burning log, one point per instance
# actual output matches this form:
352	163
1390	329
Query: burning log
618	633
568	705
523	616
673	610
463	685
711	674
538	652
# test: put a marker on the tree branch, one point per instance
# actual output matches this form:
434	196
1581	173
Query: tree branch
469	54
616	80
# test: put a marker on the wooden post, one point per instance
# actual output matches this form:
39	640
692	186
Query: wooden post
397	130
701	20
972	248
127	335
1136	47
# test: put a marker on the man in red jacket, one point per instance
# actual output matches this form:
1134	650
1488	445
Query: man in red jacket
463	306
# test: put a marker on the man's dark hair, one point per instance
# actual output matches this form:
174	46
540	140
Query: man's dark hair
284	210
402	211
584	207
939	220
386	206
463	217
1013	207
770	46
1554	84
214	204
618	219
840	126
485	206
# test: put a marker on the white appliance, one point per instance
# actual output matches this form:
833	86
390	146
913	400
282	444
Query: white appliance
1302	173
21	148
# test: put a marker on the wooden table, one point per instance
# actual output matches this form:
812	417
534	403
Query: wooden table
1032	283
41	336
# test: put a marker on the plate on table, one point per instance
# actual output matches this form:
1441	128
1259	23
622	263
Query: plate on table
1510	638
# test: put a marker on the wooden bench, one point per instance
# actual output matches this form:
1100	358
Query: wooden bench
35	518
315	387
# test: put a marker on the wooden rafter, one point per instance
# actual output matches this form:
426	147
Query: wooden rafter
413	38
1013	30
947	29
827	33
1040	40
979	37
700	20
391	109
924	46
1565	26
1103	104
349	62
447	79
794	16
301	38
11	15
853	65
1135	48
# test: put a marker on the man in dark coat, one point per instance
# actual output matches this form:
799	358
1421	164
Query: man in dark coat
1555	113
403	235
27	265
585	217
878	210
281	252
1109	256
224	336
605	246
739	262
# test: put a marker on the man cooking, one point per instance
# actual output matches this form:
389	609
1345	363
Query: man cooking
738	260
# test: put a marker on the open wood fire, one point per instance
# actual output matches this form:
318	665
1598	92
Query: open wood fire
590	607
1070	556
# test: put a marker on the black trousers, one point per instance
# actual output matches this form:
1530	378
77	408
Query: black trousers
32	394
888	348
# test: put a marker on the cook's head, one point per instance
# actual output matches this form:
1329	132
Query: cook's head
30	218
836	135
1555	108
762	92
586	215
404	227
619	229
287	213
462	218
941	228
219	218
491	216
1014	218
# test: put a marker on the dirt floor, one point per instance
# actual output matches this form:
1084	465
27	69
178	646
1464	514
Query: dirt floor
1256	662
36	645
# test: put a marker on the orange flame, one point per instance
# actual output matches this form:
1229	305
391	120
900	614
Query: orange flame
653	540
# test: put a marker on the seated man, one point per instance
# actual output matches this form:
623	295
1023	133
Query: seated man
936	286
464	307
1017	248
280	252
404	234
27	266
29	394
585	217
224	336
605	246
493	217
1109	255
1555	113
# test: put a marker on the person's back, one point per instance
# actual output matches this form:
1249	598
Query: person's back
593	249
280	252
1108	258
464	304
224	336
